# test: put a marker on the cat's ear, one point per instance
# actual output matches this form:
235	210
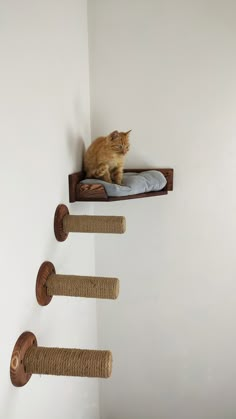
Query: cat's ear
127	133
114	135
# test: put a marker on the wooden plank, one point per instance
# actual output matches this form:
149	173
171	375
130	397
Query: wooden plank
86	192
74	179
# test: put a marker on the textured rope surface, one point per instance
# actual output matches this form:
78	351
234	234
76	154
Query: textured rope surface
70	362
94	224
83	286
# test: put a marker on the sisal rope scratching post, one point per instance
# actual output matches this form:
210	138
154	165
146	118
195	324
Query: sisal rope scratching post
49	283
28	358
64	223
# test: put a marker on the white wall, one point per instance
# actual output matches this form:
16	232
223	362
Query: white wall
167	69
45	118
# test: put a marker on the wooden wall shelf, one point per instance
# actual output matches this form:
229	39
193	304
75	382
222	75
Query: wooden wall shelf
96	192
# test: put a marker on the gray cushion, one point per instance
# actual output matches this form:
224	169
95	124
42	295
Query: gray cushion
133	183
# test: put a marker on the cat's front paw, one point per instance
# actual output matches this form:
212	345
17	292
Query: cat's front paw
117	176
118	182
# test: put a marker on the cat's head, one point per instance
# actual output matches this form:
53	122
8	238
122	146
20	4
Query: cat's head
119	141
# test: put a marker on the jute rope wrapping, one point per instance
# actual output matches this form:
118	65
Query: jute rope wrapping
93	224
82	286
69	362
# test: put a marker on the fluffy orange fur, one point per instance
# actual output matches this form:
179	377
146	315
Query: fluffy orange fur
104	158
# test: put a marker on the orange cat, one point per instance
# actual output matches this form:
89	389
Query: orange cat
104	158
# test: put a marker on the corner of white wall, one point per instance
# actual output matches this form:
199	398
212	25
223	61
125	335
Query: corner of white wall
45	125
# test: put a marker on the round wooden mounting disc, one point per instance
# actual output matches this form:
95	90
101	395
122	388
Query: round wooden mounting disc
60	213
17	370
45	270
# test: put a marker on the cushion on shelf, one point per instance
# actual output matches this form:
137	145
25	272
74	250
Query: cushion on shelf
133	183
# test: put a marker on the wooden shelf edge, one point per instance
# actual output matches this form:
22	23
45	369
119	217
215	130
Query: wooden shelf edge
97	192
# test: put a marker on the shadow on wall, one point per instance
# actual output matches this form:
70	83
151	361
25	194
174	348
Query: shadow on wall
135	160
10	402
76	149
